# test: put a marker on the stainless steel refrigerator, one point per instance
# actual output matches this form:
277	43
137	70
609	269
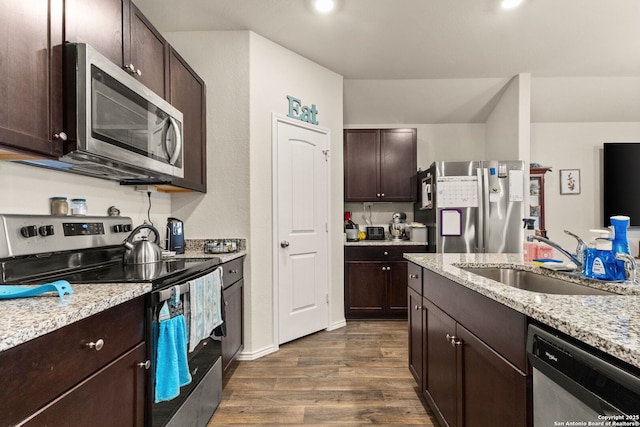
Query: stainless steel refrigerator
474	206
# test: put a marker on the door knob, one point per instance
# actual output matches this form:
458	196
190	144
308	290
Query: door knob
284	244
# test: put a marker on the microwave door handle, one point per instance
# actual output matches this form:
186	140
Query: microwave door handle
176	152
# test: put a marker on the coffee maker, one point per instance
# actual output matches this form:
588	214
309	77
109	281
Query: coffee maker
398	226
175	235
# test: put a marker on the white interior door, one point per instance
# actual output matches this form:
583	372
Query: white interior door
301	229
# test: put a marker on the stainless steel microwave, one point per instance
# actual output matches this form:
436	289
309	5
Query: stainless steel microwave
115	127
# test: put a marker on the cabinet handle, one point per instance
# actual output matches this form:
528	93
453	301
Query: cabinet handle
382	194
378	195
145	365
60	135
233	271
96	345
385	253
454	340
413	276
132	70
419	307
284	244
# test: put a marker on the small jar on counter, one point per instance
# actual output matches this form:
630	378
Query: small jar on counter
78	207
59	206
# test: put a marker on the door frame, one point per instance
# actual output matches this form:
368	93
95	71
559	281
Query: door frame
275	119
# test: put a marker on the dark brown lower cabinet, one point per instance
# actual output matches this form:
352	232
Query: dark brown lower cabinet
443	365
417	337
494	392
232	343
89	373
233	293
376	281
121	385
472	353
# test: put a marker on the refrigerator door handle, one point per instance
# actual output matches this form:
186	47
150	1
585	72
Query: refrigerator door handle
485	207
481	174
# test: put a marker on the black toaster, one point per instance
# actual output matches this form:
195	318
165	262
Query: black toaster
375	233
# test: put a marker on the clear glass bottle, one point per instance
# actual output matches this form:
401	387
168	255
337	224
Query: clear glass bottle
59	206
78	207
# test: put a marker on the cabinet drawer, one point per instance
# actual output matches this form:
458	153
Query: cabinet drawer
379	253
39	370
232	271
414	279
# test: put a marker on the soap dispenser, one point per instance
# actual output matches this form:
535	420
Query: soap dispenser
600	261
620	223
529	249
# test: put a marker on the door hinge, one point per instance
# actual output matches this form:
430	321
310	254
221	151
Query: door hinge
326	155
326	227
327	297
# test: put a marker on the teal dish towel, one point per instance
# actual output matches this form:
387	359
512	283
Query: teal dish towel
172	367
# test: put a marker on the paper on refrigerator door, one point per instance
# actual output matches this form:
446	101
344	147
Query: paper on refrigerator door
457	191
516	185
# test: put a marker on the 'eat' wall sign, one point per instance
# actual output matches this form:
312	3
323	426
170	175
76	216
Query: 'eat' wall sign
302	112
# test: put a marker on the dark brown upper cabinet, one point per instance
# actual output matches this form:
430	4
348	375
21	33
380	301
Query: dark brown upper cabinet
118	30
380	165
30	79
187	94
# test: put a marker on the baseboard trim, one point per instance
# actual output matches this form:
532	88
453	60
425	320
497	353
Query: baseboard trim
337	325
246	355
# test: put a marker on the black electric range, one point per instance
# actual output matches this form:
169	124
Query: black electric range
36	249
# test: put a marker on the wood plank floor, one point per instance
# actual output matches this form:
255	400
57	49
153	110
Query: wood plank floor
356	375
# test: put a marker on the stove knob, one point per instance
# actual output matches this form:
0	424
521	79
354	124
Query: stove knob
117	228
29	231
46	230
127	227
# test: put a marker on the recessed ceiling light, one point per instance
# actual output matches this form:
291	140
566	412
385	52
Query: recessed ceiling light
510	4
324	6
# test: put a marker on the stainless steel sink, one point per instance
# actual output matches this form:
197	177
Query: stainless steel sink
534	282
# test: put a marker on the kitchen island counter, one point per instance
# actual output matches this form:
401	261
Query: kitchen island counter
610	323
24	319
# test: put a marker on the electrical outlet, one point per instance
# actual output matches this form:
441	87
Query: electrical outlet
368	205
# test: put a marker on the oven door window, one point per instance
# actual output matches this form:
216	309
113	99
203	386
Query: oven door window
126	120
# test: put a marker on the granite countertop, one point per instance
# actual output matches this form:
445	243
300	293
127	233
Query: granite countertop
24	319
387	242
224	257
610	323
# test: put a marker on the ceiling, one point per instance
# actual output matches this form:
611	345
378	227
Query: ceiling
460	52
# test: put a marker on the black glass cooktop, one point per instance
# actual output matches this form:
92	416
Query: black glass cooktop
101	267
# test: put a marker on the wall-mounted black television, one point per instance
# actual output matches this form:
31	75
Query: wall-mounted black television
621	181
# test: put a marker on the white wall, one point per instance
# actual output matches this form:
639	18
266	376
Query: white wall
221	59
27	189
248	78
507	128
577	146
275	73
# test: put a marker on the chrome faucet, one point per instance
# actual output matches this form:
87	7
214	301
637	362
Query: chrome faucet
578	259
630	266
582	246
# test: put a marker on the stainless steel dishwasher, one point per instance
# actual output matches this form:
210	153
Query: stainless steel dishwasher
573	383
